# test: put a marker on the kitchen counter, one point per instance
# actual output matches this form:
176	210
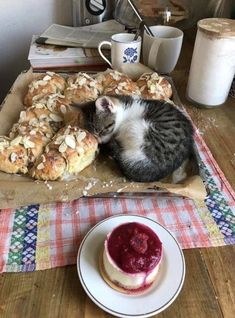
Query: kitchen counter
209	288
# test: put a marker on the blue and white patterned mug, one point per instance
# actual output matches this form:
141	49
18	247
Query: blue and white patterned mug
124	49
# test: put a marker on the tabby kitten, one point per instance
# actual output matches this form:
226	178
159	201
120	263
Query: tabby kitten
149	138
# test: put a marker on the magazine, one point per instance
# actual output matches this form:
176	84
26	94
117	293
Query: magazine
85	36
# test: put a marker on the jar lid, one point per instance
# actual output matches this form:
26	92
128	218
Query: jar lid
217	27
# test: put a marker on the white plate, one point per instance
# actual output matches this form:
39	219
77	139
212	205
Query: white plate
161	294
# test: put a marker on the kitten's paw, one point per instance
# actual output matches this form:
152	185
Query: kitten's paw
180	174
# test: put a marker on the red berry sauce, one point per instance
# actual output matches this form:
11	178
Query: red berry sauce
134	247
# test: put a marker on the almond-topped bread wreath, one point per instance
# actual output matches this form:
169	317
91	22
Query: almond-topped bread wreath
48	83
47	142
70	151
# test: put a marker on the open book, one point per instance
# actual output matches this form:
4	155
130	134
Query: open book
86	36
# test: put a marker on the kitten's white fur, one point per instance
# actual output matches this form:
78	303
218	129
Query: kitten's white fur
180	174
128	122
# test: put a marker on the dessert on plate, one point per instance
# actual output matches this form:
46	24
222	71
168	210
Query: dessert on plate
131	257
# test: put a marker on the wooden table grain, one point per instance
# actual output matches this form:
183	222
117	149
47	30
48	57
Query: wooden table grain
209	288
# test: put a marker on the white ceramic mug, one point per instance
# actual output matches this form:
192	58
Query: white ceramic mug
124	49
162	51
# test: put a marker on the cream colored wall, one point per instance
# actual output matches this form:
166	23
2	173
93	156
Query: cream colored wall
19	20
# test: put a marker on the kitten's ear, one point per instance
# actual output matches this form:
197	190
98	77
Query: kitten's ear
105	104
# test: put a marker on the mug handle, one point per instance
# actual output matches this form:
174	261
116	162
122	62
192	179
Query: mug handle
102	55
153	54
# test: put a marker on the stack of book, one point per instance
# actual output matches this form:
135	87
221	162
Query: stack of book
66	48
54	57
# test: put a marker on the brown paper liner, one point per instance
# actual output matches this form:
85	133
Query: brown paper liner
102	177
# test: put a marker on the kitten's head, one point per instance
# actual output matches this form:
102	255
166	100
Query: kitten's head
103	119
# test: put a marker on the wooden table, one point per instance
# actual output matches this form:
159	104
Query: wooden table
209	288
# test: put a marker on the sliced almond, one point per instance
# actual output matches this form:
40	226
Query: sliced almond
34	85
148	83
85	75
43	158
81	81
115	76
28	143
63	109
11	135
80	135
155	76
39	105
50	73
42	83
93	84
23	115
35	97
56	118
152	88
24	170
72	86
59	140
43	116
40	166
142	88
47	77
41	124
3	144
122	84
16	141
22	130
70	141
33	122
13	157
67	130
50	107
51	101
63	147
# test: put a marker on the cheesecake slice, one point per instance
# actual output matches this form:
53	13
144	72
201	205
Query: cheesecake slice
131	257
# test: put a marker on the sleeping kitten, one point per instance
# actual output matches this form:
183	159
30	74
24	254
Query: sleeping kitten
150	139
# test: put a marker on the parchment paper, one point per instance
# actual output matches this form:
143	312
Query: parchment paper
102	177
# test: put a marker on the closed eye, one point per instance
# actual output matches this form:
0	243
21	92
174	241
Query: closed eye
106	129
110	125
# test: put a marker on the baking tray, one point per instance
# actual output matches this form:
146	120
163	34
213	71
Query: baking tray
100	179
